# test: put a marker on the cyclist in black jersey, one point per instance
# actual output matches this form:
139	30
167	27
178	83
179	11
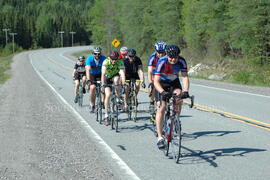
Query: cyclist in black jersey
133	70
78	72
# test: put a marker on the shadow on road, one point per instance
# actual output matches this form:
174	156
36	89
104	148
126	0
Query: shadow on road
188	137
196	156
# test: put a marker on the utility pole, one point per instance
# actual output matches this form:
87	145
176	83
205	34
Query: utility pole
6	30
61	33
13	34
72	33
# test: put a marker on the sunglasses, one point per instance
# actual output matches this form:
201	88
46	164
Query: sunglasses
172	56
160	52
115	59
97	54
131	56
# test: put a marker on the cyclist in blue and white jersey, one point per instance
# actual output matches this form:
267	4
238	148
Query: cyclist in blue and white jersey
166	81
93	73
152	61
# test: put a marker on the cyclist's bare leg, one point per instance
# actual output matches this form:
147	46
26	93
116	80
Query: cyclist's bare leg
107	99
77	84
116	81
178	102
84	81
137	87
159	117
92	94
126	96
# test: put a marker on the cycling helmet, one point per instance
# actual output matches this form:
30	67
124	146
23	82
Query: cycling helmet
172	50
81	58
131	52
114	54
97	50
160	46
123	50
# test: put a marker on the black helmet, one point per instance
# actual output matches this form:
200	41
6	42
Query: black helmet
114	54
81	58
131	52
172	50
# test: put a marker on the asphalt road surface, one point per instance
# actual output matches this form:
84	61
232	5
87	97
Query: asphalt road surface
44	135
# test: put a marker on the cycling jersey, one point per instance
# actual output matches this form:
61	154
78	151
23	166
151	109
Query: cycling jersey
112	69
170	72
132	67
152	61
95	64
79	68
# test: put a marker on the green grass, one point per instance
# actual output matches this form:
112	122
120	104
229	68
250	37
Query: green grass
5	66
82	53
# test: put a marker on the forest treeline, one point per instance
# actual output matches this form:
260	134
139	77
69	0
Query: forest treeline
37	22
219	28
213	29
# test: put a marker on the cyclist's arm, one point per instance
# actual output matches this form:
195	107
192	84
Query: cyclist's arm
141	74
88	69
157	84
74	71
103	73
185	80
122	74
150	75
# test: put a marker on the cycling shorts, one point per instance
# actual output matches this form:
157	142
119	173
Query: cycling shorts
94	78
168	87
78	76
109	81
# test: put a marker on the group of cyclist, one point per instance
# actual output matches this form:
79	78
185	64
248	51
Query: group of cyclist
164	66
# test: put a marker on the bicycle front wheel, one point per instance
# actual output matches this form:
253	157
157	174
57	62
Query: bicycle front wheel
176	139
80	99
134	109
167	134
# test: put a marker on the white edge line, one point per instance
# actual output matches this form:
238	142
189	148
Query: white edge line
230	90
94	135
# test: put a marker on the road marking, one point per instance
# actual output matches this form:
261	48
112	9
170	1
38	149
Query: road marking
231	90
93	134
237	117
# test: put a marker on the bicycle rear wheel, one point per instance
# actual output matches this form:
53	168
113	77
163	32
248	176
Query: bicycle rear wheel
176	139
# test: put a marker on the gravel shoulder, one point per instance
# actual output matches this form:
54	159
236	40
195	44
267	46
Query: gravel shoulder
39	139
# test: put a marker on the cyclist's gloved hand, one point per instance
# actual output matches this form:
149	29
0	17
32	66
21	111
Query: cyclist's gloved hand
143	85
185	94
151	85
165	94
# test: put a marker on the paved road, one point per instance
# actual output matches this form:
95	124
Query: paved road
45	135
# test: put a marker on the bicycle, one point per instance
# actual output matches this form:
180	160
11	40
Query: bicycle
80	90
132	100
152	111
172	127
98	101
113	116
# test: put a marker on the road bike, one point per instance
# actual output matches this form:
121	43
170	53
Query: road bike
172	129
98	102
80	90
114	107
132	99
152	111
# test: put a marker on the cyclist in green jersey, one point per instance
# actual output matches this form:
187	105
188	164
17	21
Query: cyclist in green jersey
112	69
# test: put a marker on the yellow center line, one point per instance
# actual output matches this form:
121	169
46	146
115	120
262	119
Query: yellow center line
233	116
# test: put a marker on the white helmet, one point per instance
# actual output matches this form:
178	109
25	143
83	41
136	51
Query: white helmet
97	50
